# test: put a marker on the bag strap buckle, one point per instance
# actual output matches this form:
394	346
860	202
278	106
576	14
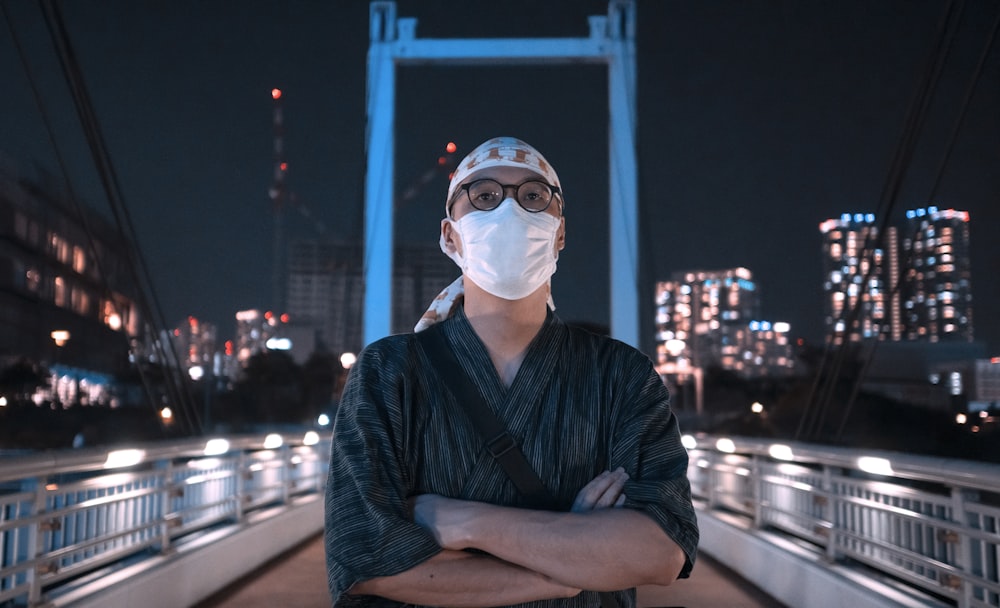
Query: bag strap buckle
500	445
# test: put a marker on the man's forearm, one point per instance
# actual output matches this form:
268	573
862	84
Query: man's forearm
599	550
457	578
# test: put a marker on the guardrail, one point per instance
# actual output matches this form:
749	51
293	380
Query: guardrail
66	515
931	523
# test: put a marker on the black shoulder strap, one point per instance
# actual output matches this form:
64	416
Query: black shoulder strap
498	441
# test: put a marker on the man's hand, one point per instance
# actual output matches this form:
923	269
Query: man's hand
442	517
602	492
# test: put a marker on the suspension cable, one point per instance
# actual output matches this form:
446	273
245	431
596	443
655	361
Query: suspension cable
147	300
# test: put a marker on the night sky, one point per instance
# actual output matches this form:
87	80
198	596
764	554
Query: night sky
757	120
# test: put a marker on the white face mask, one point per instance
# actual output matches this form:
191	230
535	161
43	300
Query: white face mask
508	251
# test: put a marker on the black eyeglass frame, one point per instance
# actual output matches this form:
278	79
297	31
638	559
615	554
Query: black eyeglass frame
517	188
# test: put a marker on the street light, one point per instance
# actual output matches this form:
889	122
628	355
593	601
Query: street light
348	359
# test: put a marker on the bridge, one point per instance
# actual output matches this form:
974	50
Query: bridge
184	523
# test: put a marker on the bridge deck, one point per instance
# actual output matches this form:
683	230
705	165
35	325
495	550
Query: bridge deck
298	578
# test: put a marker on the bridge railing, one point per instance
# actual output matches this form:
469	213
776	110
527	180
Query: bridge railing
931	523
66	515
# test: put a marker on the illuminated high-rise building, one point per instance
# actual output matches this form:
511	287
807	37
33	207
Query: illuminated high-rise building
915	286
699	312
936	291
758	349
854	283
67	299
710	318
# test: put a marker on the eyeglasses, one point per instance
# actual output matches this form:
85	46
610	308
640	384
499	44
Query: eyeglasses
487	194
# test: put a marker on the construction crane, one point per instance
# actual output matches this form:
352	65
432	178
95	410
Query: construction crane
279	198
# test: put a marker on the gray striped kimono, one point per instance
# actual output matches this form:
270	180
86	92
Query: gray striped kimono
580	404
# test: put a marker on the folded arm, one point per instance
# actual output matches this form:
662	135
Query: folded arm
457	578
460	578
600	550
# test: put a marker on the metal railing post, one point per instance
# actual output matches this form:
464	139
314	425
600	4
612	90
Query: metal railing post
757	489
964	555
165	479
241	478
713	476
829	501
35	537
287	478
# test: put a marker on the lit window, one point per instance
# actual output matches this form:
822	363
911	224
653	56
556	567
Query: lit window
79	260
59	294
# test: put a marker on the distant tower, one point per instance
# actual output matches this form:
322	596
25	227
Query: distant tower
936	289
700	312
852	276
279	197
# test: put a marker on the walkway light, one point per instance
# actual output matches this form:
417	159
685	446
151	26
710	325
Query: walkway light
757	407
323	420
273	441
689	442
875	465
725	445
214	447
124	458
310	438
780	451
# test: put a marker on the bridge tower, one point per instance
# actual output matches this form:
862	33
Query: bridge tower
393	42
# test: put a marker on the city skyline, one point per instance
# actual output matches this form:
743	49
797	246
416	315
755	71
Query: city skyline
756	122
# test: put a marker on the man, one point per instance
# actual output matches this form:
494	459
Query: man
419	512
